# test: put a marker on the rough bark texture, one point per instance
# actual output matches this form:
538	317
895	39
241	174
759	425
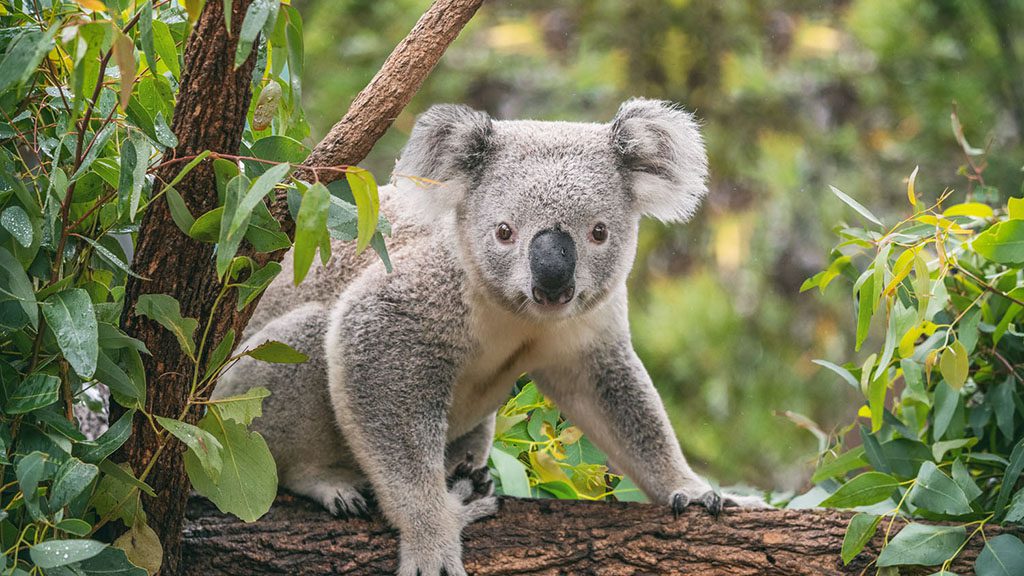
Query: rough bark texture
541	537
210	115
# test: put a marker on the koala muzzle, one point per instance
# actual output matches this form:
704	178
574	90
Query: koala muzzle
553	264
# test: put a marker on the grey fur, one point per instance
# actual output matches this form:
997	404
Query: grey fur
407	369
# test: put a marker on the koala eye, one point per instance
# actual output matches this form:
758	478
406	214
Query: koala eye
504	233
599	234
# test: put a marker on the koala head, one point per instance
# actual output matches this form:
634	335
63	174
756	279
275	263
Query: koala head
545	214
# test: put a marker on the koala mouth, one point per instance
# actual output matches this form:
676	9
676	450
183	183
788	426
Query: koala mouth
553	299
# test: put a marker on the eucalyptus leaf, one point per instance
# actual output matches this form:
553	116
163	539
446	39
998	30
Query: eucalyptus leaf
924	544
70	316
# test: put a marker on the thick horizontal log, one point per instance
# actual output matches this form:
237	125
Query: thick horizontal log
542	537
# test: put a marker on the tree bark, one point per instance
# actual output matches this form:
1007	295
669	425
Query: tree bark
543	537
213	101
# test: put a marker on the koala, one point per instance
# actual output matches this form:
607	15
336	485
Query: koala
512	242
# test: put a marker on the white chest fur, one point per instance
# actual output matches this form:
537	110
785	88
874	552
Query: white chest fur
508	346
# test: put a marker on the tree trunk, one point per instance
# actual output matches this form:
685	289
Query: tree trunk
210	115
543	537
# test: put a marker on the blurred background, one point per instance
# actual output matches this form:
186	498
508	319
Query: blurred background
794	95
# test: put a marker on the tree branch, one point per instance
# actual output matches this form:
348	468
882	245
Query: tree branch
544	537
387	94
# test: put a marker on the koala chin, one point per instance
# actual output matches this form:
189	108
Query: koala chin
512	241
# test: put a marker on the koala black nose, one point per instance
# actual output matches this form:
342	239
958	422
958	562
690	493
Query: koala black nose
553	264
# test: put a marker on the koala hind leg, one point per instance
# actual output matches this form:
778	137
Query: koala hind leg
335	489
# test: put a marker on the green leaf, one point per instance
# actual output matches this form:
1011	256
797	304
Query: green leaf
15	220
842	372
145	25
937	492
180	213
111	257
1001	397
110	562
55	553
220	353
277	353
940	448
309	228
963	479
201	444
264	232
229	240
946	402
167	312
364	191
243	408
839	466
248	481
207	227
16	287
75	526
128	390
860	531
1002	243
255	18
32	393
30	471
924	544
115	436
512	473
72	478
867	488
560	490
867	298
121	473
256	283
1002	556
1015	513
260	188
1012	474
72	320
99	141
277	149
23	55
856	206
117	496
954	364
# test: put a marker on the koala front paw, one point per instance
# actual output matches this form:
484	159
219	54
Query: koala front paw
467	483
710	500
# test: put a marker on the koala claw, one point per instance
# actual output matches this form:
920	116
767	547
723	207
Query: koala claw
710	500
469	483
346	505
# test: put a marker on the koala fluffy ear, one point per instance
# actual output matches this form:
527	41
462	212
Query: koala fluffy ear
660	145
448	146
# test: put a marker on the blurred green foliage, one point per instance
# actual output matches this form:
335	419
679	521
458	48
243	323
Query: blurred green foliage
794	95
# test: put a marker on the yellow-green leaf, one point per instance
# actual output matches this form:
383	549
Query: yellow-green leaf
975	209
954	364
364	192
911	195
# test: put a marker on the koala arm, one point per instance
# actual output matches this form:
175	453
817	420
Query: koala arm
609	395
